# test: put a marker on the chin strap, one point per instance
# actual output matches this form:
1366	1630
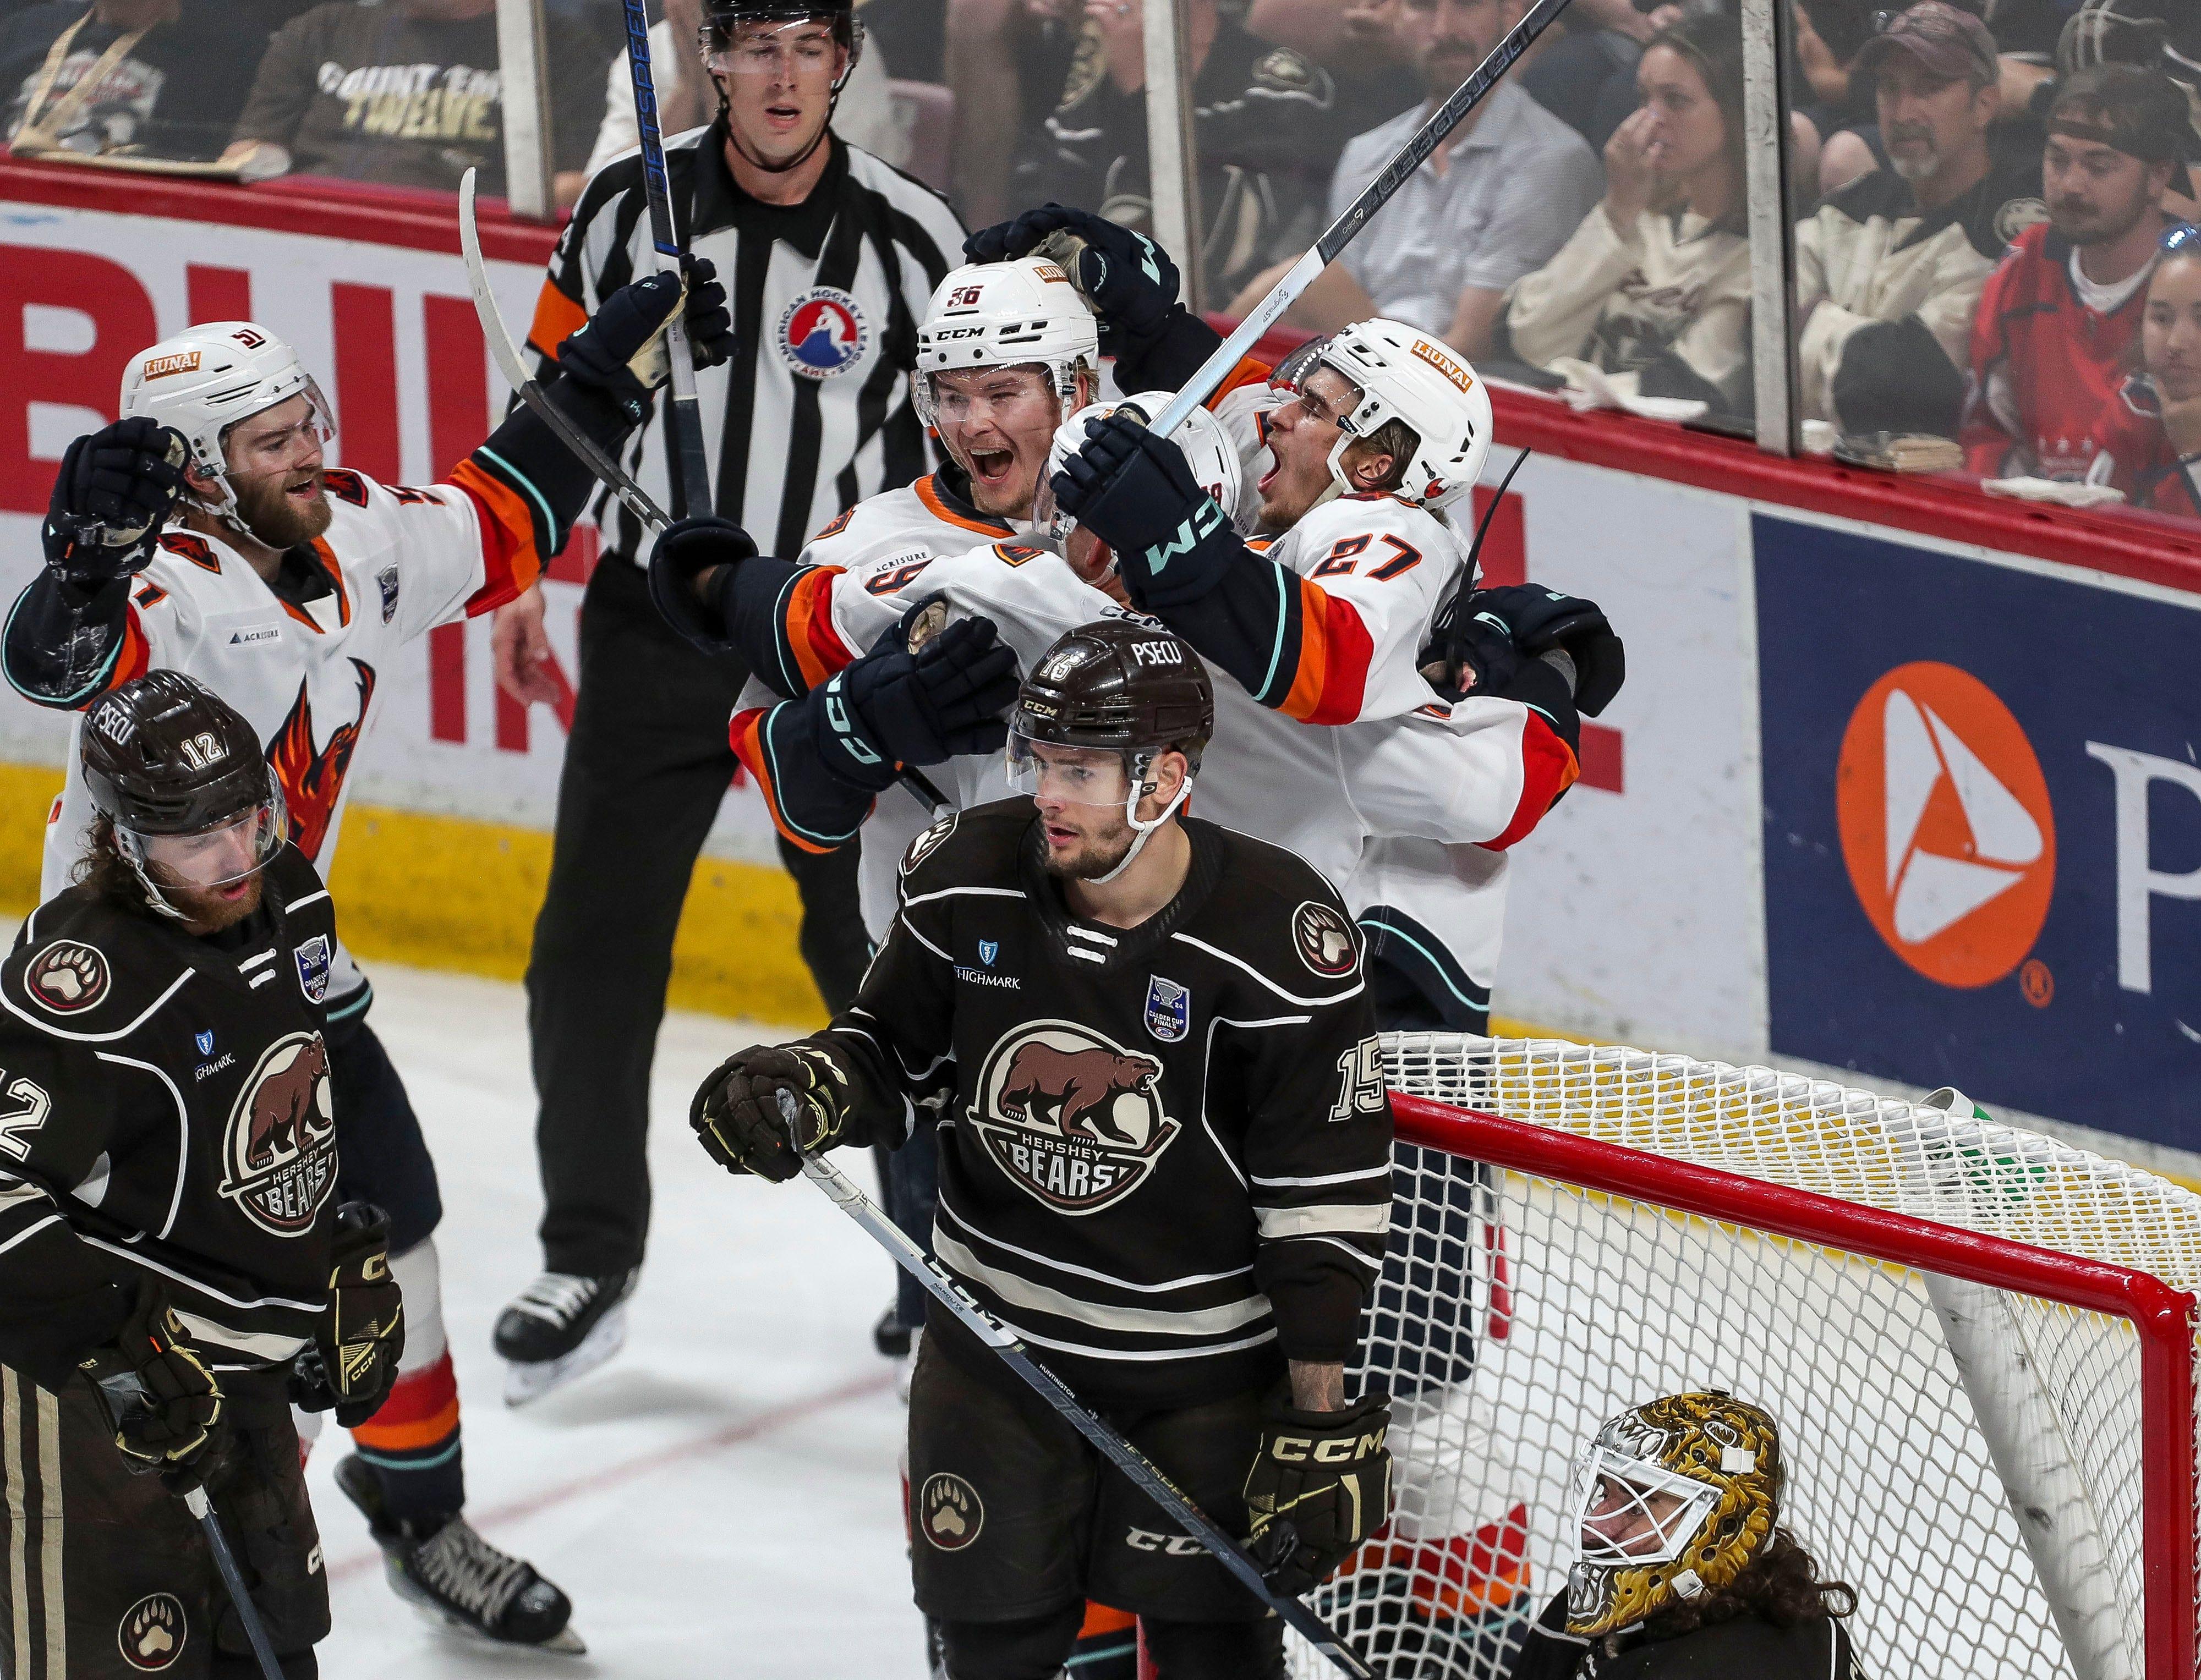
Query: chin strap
1144	830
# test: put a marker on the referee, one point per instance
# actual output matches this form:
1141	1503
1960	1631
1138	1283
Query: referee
829	257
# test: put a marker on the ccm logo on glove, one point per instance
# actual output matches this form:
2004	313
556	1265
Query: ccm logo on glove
1305	1450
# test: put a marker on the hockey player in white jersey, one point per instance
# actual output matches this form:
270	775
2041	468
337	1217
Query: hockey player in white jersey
205	532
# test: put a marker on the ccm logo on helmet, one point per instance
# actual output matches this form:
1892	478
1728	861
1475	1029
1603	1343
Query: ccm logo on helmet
949	338
160	368
1444	363
1303	1449
1157	653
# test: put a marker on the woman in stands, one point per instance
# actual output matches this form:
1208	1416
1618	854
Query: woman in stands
1682	1568
2151	436
1653	289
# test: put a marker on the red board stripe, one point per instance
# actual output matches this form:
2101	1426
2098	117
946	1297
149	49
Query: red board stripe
1602	758
458	381
446	682
217	294
365	322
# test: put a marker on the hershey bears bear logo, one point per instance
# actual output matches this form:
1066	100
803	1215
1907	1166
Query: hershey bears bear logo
152	1633
1324	940
929	842
1072	1117
279	1159
68	977
949	1513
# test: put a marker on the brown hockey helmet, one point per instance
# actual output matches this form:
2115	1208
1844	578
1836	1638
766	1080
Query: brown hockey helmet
1124	685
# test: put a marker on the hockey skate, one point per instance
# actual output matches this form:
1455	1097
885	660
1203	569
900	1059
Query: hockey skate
562	1327
455	1576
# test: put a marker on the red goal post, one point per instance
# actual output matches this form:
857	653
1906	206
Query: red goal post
1954	1321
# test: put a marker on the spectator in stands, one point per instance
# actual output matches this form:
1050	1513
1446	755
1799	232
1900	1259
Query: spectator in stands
1261	131
1889	269
1491	205
162	79
687	98
1359	43
2058	320
2151	435
406	93
1654	287
2162	35
1006	60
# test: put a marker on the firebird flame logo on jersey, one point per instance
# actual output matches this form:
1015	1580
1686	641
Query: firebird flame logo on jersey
1073	1117
823	333
279	1160
312	778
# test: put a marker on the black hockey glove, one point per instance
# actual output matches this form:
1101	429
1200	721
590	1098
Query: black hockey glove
353	1363
1135	492
159	1398
684	553
1320	1485
895	708
1129	280
620	352
761	1111
114	491
1541	620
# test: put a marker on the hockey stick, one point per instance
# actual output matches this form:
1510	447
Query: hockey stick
1114	1447
505	350
1342	231
683	417
197	1502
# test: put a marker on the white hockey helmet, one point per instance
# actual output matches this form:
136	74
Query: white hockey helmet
207	379
1403	374
1004	314
1208	451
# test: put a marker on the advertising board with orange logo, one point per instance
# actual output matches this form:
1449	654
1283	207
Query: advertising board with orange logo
1982	828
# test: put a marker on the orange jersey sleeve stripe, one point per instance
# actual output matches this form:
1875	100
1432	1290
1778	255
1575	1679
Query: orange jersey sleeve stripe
1335	651
557	318
137	653
1248	371
745	735
1548	769
807	624
511	562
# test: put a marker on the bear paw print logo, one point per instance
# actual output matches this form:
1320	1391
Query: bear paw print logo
152	1633
949	1513
68	977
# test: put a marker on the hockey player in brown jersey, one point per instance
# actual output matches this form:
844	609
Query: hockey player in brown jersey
1165	1162
175	1270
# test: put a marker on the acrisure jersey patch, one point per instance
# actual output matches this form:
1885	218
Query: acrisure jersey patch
1073	1118
1323	939
68	977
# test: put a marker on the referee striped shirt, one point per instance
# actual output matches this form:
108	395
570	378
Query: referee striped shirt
813	413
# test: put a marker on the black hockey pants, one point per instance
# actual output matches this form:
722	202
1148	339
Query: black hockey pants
645	769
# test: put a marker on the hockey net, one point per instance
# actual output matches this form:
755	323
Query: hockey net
1948	1318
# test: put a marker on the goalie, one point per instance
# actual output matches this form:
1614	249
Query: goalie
1683	1567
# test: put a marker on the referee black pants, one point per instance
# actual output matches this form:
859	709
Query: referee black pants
646	765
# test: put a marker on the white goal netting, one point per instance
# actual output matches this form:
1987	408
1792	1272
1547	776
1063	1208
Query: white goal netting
1519	1310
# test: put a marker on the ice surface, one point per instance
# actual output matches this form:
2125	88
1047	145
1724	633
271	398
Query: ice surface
722	1499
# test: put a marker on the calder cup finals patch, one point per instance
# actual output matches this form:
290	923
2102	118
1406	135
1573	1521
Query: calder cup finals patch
1324	940
280	1157
1169	1009
1072	1117
312	958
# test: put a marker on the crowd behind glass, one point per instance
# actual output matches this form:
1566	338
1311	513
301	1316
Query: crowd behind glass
1997	269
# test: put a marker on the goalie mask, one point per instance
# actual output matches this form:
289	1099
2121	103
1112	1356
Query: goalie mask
206	379
1404	375
1673	1498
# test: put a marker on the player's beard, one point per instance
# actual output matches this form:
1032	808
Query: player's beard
1096	855
2083	223
210	910
268	510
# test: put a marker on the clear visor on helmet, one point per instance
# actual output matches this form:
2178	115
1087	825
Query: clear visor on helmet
804	47
1083	776
1630	1512
255	445
1024	396
220	856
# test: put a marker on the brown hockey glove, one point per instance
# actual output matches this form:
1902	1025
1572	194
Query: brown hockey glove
159	1399
744	1126
1319	1487
353	1363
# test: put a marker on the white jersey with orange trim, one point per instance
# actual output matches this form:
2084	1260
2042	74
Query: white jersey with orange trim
308	663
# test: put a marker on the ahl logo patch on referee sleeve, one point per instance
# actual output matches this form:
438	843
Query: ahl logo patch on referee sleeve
823	333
